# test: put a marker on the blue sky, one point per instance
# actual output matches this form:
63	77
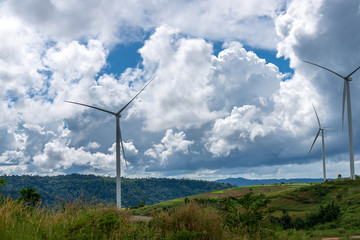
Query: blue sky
127	56
231	97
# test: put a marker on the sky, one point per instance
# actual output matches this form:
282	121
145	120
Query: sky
231	97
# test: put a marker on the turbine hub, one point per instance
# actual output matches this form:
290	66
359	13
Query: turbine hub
349	79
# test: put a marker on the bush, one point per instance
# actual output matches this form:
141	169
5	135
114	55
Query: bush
285	221
30	196
189	219
325	214
186	235
97	223
2	182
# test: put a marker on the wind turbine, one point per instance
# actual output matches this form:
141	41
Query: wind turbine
321	129
119	140
346	94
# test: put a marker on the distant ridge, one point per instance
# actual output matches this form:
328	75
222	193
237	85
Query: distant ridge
102	189
243	182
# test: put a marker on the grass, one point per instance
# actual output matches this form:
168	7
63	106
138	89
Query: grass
73	221
176	220
269	190
298	200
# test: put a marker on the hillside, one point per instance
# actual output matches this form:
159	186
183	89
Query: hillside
102	189
291	211
315	210
298	200
243	182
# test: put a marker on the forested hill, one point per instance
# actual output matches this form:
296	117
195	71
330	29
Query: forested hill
102	189
242	182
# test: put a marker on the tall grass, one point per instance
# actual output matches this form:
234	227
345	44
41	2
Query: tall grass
73	221
79	220
202	222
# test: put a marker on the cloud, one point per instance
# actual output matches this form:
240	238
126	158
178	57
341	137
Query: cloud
242	125
122	21
219	112
178	96
73	60
92	145
59	157
170	144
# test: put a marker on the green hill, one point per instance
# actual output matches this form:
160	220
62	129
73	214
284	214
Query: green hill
102	189
300	202
277	211
216	196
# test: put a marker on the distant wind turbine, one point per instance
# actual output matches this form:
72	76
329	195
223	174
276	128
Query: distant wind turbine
346	94
321	129
119	140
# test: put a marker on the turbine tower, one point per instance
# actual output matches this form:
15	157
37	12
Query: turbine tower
119	140
321	129
346	94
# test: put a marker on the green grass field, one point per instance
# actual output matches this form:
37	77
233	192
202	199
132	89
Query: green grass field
297	199
257	212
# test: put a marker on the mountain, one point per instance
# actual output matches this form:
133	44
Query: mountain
55	189
243	182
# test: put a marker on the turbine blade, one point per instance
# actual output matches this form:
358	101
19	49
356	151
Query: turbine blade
317	116
122	109
325	68
122	146
352	73
343	103
317	135
100	109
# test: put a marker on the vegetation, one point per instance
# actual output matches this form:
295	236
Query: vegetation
2	182
278	211
30	197
102	189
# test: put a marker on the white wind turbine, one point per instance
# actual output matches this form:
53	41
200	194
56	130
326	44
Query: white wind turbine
118	141
321	129
346	94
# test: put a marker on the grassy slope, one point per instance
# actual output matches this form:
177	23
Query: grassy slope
270	190
298	199
79	221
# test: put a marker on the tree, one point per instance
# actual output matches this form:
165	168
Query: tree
339	175
255	207
2	182
29	196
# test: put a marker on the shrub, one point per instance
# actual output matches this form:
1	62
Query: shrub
327	213
2	182
30	197
97	223
285	220
298	224
190	219
186	235
319	190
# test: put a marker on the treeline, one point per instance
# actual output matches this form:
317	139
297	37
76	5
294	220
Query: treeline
57	189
